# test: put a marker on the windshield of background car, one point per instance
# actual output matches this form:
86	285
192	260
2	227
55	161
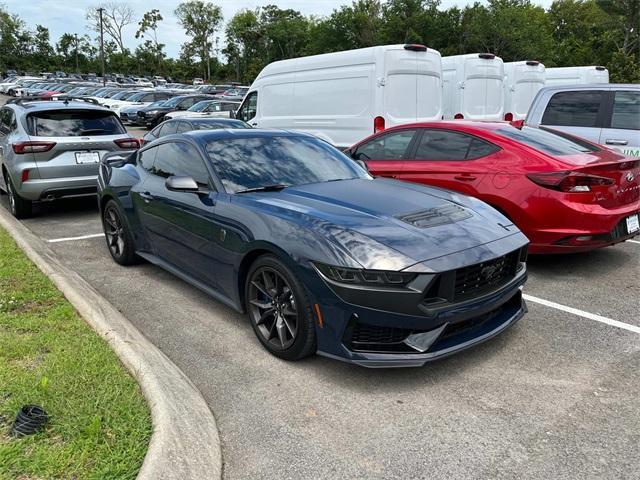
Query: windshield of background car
73	123
159	103
173	102
200	106
136	96
244	163
224	123
552	143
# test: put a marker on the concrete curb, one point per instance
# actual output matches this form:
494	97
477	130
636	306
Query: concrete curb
185	443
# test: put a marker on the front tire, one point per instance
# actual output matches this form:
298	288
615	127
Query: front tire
19	207
118	235
279	310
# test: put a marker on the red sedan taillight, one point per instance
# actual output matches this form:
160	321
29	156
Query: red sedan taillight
32	147
127	143
570	182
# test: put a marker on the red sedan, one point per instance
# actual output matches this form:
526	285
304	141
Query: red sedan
564	193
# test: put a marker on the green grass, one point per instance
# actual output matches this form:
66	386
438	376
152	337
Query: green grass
99	424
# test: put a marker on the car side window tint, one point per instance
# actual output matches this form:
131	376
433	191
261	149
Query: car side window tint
182	159
443	145
249	107
573	109
147	98
626	110
168	128
390	146
480	148
146	158
184	127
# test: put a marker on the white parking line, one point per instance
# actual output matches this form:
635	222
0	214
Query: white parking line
633	241
582	313
71	239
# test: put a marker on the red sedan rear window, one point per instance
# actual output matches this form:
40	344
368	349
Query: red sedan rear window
547	141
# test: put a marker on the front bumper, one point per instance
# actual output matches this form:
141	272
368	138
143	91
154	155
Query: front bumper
376	329
449	338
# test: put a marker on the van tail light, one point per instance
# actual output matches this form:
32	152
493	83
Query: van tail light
378	124
517	124
142	141
458	116
24	176
508	117
415	47
128	143
32	147
569	182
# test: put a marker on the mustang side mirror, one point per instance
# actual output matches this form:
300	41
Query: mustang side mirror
178	183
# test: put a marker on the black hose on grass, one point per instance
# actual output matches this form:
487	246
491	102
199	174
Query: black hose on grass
30	419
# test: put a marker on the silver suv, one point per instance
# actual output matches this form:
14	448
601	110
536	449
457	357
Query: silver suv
608	114
51	149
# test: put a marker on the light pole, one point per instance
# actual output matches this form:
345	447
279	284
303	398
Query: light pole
77	68
104	80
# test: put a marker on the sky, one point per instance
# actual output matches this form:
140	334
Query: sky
67	16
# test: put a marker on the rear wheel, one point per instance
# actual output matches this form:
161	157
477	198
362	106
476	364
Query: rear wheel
279	310
119	237
20	207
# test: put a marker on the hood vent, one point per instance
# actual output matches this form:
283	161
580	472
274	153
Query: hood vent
432	217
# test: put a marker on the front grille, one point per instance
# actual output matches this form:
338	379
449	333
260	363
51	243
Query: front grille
486	276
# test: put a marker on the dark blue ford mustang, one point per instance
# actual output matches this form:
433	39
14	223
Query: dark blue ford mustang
322	257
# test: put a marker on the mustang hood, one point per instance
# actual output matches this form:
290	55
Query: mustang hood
386	224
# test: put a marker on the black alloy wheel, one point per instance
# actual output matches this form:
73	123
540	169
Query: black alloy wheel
279	310
119	239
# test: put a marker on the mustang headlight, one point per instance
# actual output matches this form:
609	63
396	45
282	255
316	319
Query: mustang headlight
373	278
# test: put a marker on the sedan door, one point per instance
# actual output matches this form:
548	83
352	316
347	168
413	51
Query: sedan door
179	225
449	159
622	131
385	154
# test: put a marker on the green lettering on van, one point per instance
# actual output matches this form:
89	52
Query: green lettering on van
631	152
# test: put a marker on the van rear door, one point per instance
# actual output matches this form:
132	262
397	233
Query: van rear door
483	97
413	86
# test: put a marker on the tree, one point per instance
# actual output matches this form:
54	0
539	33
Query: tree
623	68
115	17
149	26
355	26
200	20
512	29
627	14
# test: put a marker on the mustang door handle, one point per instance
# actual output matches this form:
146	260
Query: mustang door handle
146	196
465	177
613	141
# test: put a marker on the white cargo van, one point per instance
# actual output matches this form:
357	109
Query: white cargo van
522	80
343	97
576	75
473	87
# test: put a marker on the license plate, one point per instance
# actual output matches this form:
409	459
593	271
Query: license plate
87	157
633	225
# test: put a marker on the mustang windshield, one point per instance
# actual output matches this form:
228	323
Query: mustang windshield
251	163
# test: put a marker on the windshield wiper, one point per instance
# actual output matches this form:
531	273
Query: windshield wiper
266	188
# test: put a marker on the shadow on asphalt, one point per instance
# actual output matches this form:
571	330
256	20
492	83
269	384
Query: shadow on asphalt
595	262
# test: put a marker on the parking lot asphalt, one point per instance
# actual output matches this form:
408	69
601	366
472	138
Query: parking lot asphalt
556	396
